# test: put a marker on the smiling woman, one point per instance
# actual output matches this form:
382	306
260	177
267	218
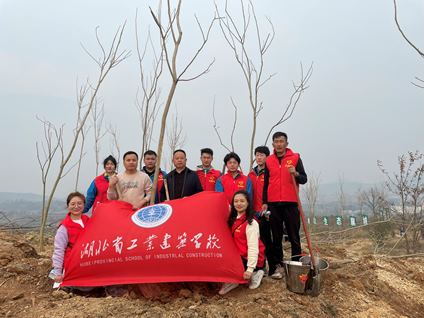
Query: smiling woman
67	234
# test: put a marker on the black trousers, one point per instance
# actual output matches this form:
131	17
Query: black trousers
284	214
266	238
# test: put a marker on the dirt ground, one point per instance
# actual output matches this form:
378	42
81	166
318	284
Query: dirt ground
354	286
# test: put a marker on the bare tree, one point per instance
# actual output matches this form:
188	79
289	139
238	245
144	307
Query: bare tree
114	143
420	81
250	46
229	148
46	152
311	190
251	62
81	155
341	197
298	90
98	129
171	34
375	199
408	185
86	97
148	104
175	136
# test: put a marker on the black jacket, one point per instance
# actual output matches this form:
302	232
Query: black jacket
181	184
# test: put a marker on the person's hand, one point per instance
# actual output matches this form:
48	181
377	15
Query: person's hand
264	208
142	203
113	181
247	275
293	171
58	278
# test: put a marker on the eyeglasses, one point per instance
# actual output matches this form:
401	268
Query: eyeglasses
76	204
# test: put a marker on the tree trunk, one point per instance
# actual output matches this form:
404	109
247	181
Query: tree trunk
161	138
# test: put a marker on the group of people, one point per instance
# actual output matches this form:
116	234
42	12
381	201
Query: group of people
262	203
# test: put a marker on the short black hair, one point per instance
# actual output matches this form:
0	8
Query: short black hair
262	149
150	153
179	150
206	150
129	153
109	158
279	134
232	155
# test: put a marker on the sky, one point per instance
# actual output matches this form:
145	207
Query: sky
360	106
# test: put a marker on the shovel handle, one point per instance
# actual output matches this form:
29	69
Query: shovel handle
165	183
305	226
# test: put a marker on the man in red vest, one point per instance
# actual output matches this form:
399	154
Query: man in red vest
256	176
206	173
234	180
279	197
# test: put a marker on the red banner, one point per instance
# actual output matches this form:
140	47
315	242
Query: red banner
183	240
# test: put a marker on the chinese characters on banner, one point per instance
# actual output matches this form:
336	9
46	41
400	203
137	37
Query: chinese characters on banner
183	240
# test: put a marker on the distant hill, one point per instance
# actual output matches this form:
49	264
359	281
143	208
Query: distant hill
13	196
25	208
330	191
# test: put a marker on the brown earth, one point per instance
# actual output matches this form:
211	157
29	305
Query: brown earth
354	286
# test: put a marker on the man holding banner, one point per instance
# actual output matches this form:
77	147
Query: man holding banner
131	186
150	158
182	181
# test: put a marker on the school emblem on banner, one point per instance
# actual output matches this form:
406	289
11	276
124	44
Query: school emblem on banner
152	216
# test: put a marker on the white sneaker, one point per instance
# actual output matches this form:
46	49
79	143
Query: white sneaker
256	279
278	274
227	287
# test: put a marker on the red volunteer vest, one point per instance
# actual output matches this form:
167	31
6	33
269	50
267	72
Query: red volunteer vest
240	239
258	187
208	179
281	187
160	184
232	185
74	230
101	184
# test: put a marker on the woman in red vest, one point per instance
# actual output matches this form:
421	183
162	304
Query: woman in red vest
97	192
245	230
67	234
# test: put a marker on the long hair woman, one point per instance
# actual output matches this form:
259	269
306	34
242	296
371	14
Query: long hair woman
245	231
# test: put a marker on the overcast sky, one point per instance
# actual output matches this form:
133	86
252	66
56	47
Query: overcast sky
361	106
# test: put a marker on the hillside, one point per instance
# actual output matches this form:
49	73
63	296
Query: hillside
354	286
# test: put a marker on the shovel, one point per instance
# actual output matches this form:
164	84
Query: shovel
313	283
165	183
